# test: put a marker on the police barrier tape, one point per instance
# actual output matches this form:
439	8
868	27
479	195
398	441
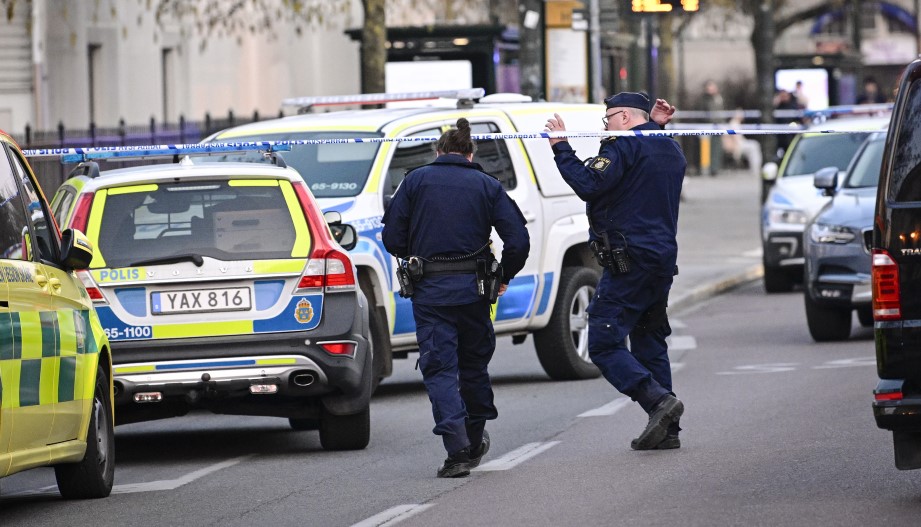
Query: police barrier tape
72	155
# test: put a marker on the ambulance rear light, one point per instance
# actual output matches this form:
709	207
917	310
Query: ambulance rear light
81	213
887	295
366	99
91	288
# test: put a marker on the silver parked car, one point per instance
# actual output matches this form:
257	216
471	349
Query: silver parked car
836	247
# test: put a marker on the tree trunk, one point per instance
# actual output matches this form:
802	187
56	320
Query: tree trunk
762	39
531	51
373	47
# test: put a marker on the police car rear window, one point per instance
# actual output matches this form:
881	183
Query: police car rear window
814	152
331	170
905	182
206	219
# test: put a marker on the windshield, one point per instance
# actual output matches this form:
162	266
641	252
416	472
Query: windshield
814	152
331	170
865	172
168	223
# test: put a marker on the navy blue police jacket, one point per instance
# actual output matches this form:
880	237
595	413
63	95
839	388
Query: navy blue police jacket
448	208
631	189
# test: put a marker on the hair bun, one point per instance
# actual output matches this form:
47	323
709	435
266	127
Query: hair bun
463	124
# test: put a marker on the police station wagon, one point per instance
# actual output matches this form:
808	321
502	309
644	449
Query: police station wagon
222	287
55	371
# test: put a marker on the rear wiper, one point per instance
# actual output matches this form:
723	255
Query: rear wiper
194	258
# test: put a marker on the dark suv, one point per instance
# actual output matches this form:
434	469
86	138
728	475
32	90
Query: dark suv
896	276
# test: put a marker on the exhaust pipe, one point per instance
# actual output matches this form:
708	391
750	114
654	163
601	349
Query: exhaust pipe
303	379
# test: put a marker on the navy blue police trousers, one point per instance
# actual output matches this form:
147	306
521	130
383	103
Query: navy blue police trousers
456	344
632	304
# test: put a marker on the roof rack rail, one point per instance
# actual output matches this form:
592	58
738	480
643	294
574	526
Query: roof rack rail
465	98
116	153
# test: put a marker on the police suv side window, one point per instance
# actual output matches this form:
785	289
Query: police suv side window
45	234
409	154
493	155
14	226
905	184
59	210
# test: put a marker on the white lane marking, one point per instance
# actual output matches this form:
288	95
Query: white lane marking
847	363
393	515
684	342
517	456
677	366
608	409
676	324
166	484
761	368
754	253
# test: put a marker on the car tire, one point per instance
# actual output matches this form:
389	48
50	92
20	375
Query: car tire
865	316
777	280
561	348
93	476
345	432
380	345
827	324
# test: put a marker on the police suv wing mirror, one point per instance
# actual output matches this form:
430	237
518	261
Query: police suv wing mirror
76	250
344	234
769	171
826	179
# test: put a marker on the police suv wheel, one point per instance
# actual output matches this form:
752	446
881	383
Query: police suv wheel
345	432
93	476
562	346
827	324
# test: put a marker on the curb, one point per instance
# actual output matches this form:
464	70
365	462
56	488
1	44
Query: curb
709	290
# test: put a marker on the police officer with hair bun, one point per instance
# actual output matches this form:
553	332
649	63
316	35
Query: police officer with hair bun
438	226
632	189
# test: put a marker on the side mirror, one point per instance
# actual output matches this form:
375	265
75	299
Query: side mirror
827	180
345	234
332	217
76	250
769	171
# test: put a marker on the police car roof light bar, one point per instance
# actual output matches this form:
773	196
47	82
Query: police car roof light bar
77	155
467	94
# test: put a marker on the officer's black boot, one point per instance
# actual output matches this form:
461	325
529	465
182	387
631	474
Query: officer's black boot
457	465
661	417
476	455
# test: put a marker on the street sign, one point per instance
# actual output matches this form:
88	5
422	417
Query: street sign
664	6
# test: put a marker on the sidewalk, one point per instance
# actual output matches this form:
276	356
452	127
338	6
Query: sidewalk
719	243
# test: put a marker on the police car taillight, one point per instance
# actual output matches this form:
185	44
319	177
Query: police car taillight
329	269
91	288
81	214
344	348
887	295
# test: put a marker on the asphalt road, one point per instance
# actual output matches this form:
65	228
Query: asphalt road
778	431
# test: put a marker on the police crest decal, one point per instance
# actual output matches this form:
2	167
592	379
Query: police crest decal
304	311
601	163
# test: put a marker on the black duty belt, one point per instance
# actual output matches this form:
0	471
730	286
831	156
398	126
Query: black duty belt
460	267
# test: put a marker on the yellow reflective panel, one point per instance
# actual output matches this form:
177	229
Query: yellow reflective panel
93	225
261	267
132	189
275	362
302	240
209	329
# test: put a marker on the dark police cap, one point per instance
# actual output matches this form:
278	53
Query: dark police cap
627	99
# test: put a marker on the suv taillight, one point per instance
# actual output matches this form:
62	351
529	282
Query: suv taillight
887	301
330	269
91	288
81	214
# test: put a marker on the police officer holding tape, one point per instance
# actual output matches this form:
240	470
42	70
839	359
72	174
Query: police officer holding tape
438	226
632	189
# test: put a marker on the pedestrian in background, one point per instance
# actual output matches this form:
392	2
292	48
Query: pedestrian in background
440	220
713	103
871	92
632	189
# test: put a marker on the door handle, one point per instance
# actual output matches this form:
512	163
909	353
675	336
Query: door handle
55	285
529	216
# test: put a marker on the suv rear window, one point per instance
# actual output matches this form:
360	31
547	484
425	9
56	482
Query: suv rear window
905	182
217	219
814	152
332	170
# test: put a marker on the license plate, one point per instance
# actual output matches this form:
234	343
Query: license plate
201	301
